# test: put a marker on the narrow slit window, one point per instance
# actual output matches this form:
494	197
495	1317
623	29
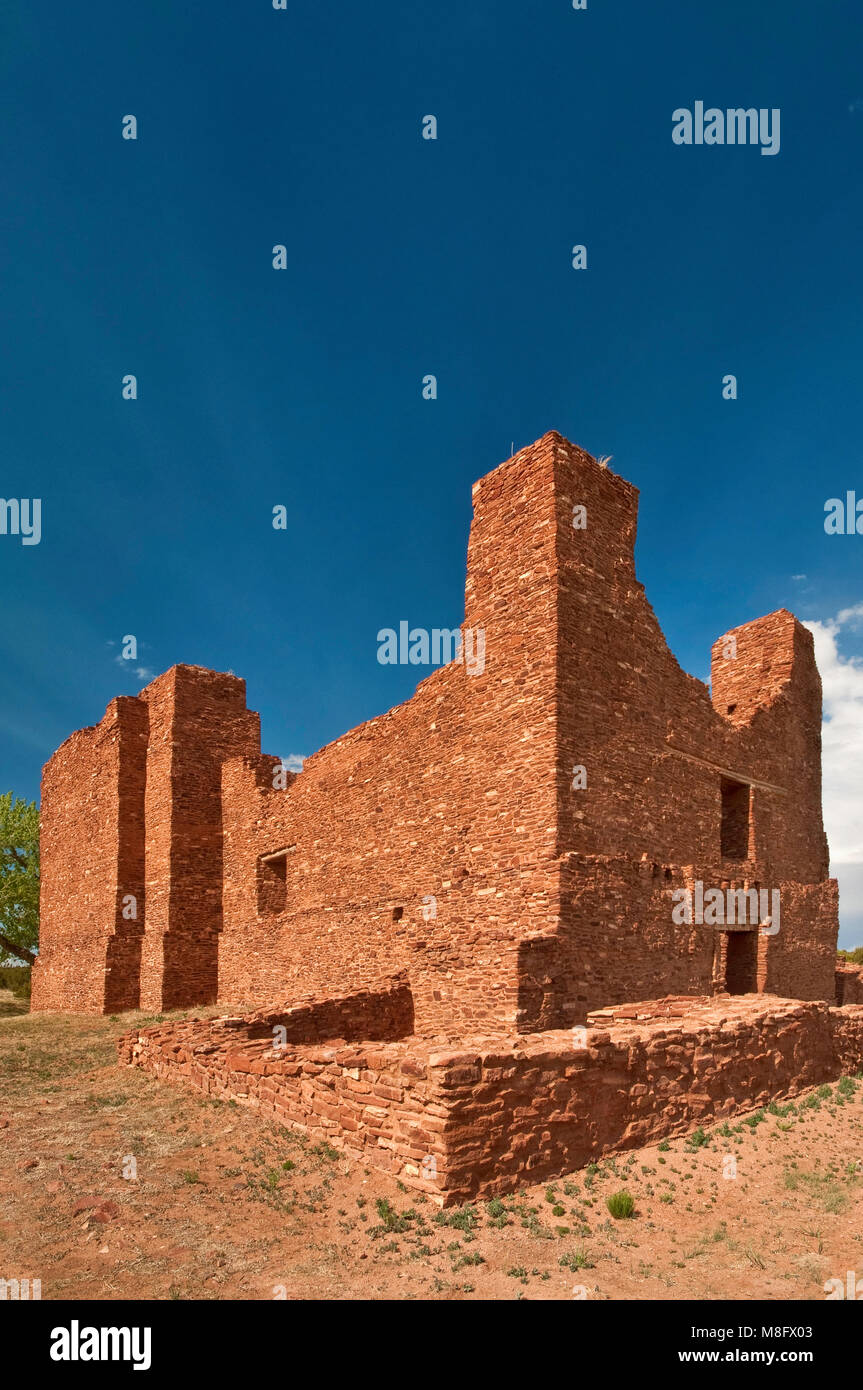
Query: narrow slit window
273	882
734	833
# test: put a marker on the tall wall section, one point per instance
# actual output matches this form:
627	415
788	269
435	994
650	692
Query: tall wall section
131	839
424	839
198	718
510	837
660	760
92	856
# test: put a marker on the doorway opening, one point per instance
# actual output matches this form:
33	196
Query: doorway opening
741	962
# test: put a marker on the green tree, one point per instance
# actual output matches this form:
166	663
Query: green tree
19	877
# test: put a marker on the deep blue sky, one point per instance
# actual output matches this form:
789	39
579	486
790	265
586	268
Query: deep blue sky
302	387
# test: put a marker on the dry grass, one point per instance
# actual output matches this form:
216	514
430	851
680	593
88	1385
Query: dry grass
226	1205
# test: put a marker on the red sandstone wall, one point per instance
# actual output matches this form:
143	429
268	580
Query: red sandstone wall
481	1119
131	809
451	795
372	1100
92	855
198	718
549	901
801	958
381	1015
653	743
770	695
538	1109
616	941
849	984
655	749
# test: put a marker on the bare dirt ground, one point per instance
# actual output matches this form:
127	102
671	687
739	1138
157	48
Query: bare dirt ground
225	1205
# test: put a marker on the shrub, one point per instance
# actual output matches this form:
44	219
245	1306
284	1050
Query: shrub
17	979
390	1218
576	1259
621	1205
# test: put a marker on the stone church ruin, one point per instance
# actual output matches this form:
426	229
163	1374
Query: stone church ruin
448	944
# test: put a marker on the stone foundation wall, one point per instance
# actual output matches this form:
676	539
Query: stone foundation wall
481	1118
382	1015
541	1109
849	984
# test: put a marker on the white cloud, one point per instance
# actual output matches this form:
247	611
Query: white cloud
842	736
850	615
842	759
142	673
294	762
850	878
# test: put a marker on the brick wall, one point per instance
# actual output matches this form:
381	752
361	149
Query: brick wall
849	984
92	856
485	1117
131	841
657	750
445	838
450	796
197	719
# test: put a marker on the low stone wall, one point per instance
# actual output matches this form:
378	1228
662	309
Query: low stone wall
377	1101
849	984
374	1015
493	1113
540	1109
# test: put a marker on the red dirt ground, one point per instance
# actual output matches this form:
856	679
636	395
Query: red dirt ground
226	1205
